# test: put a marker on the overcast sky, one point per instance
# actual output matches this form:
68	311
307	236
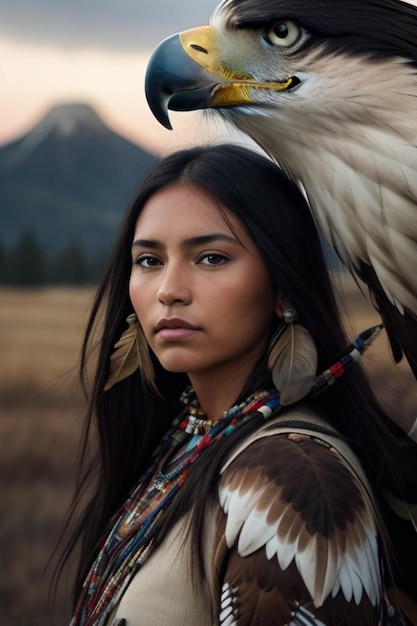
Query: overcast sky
87	50
106	24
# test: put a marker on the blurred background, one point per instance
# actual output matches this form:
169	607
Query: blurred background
76	137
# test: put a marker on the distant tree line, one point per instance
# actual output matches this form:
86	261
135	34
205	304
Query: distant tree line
27	264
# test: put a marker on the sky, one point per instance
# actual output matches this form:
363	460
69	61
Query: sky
93	51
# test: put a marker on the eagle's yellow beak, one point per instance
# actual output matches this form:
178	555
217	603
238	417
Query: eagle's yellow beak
186	72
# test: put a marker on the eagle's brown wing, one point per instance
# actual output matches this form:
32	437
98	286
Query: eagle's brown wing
299	541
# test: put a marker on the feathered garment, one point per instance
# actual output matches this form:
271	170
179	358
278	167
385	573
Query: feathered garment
292	539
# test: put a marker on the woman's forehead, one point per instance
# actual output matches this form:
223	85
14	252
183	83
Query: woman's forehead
184	205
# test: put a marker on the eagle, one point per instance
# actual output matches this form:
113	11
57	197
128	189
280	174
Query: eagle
328	89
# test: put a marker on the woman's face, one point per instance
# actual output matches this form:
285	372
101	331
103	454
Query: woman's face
199	286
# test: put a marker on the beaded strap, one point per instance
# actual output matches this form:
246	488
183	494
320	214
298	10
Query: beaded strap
352	354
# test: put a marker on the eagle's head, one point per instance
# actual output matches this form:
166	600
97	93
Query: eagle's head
309	67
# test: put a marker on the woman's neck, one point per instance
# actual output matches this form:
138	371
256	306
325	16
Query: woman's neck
215	396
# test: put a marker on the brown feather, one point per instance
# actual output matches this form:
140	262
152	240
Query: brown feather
131	352
319	515
293	362
401	327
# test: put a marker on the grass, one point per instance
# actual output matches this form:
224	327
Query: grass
41	411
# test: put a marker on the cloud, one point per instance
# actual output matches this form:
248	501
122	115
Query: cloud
105	24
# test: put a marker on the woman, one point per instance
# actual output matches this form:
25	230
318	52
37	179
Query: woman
262	501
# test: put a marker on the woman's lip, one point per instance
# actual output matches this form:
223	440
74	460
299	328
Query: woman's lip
174	328
176	333
173	322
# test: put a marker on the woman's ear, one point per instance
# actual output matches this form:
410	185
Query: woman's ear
282	303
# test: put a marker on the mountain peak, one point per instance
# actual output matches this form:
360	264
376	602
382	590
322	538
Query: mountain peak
64	119
69	178
62	123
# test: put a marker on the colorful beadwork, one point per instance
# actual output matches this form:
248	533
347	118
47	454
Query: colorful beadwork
195	421
353	353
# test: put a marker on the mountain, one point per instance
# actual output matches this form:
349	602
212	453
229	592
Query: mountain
69	179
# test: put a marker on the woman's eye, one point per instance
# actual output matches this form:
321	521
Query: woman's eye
147	261
283	33
212	259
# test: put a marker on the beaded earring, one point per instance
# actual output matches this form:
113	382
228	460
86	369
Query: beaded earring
292	359
131	353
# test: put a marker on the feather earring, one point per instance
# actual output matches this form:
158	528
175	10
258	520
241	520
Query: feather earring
131	352
292	359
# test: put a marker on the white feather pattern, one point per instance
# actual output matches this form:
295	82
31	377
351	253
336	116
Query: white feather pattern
303	617
227	599
239	506
352	568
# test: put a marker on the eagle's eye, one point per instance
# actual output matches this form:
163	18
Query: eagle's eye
283	33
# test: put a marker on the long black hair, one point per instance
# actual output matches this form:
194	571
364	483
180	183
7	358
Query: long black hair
128	420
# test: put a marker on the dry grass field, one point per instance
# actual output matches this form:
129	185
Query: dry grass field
41	412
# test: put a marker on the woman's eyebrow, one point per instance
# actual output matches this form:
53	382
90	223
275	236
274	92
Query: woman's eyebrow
189	242
147	243
192	242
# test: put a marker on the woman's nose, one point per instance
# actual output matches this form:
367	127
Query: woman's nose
175	285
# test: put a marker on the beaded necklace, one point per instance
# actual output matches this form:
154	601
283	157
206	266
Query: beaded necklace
134	527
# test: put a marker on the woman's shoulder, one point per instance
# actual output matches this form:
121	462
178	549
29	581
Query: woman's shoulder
296	426
299	446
